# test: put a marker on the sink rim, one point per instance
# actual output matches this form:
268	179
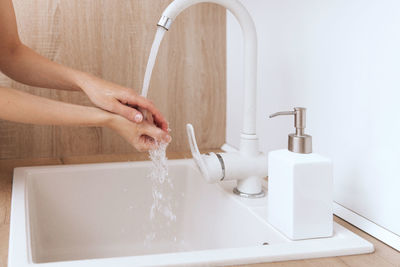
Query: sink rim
344	242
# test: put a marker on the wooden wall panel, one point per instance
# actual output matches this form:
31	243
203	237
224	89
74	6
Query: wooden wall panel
112	39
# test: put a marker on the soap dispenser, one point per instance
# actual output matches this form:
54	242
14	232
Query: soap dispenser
300	186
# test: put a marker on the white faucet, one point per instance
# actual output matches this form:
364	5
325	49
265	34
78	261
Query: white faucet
248	166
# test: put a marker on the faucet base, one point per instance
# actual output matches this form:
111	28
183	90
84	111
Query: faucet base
246	195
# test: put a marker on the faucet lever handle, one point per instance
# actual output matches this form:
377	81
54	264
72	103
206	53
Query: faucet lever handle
192	140
210	165
195	151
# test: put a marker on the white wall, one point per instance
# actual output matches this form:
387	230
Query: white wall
341	60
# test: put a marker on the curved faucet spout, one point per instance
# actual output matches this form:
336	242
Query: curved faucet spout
249	166
249	143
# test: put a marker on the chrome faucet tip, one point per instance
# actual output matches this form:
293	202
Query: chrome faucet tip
165	22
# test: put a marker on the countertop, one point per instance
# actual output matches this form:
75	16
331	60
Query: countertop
383	255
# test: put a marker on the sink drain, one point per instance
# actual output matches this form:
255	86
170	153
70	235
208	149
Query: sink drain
265	244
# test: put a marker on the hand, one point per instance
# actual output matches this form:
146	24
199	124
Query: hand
143	136
121	100
22	107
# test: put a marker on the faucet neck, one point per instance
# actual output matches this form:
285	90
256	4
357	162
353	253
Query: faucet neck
250	52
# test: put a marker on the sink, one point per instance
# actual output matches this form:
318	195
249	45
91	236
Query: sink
100	215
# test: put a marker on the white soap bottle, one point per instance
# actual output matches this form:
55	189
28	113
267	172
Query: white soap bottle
300	186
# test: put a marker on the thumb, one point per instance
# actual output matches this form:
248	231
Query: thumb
129	113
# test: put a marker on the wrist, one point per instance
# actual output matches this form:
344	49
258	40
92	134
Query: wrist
103	118
82	80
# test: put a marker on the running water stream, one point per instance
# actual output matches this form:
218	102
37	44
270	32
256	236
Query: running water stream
152	59
161	210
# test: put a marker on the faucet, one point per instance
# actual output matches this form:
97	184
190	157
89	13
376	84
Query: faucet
249	165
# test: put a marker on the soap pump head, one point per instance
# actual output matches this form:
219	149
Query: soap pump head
298	142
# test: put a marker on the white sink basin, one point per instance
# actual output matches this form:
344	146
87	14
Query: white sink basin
99	215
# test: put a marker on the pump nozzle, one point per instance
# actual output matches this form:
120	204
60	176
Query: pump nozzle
298	142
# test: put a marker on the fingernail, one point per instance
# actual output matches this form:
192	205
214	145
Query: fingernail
138	117
169	138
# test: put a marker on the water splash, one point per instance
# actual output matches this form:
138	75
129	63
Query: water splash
161	211
158	176
152	59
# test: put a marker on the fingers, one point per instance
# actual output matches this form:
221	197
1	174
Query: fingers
146	143
150	137
127	112
156	133
143	136
147	115
144	103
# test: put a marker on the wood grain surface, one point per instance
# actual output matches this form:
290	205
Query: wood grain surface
384	256
112	39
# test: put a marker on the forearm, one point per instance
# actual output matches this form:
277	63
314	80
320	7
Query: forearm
26	108
24	65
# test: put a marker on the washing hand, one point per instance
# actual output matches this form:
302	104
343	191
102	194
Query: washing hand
143	136
123	101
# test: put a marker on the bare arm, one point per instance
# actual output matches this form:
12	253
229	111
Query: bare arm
26	108
22	64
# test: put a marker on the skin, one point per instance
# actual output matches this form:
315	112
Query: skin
125	107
